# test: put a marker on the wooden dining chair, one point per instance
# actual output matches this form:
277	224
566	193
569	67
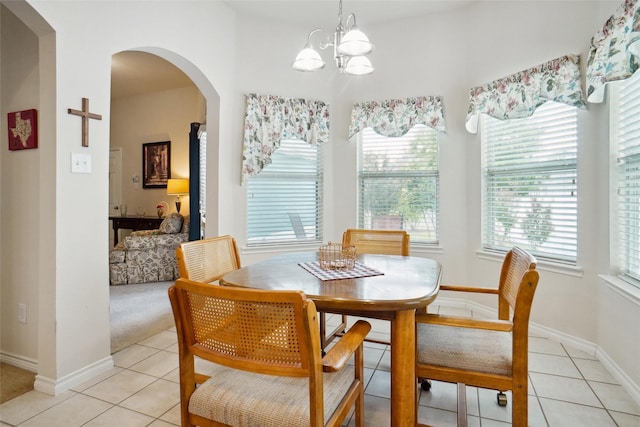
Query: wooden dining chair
207	260
388	242
266	368
489	354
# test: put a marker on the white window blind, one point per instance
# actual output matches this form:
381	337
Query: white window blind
529	188
203	178
284	201
399	182
625	125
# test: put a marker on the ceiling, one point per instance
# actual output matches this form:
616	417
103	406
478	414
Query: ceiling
136	73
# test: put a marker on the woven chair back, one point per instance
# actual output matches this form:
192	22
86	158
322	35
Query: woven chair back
207	260
388	242
260	331
516	264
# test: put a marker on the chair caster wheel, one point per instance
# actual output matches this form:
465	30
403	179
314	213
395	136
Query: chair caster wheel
425	385
502	399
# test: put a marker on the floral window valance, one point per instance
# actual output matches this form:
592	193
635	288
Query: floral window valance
615	50
517	96
395	117
269	119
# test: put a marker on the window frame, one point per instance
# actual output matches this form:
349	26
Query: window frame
550	167
288	238
625	267
390	220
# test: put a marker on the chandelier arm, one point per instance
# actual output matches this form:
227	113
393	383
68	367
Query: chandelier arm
346	23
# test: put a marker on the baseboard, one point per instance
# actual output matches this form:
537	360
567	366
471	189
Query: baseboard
55	387
543	331
21	362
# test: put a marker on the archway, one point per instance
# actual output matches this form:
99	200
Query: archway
154	99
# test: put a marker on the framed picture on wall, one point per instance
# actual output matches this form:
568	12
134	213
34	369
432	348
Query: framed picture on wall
156	164
23	129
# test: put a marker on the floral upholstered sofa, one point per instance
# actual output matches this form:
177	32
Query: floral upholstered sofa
149	255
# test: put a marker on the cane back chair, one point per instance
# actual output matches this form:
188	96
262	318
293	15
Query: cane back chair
389	242
489	354
207	260
262	352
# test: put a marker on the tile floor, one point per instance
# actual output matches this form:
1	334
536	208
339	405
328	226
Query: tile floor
567	388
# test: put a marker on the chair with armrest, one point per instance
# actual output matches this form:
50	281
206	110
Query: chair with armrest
489	354
262	351
207	260
388	242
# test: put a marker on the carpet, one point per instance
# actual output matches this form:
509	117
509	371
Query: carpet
138	311
14	381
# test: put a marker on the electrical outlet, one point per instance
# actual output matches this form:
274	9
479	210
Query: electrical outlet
22	313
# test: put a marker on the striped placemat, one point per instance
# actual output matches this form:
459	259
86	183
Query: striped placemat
359	270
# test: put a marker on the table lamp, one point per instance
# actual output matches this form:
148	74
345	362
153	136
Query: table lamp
177	187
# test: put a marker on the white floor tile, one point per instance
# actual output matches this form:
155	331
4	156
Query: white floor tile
594	370
154	400
131	355
552	364
546	346
562	414
161	340
30	404
117	388
158	364
72	412
615	398
121	417
562	388
625	420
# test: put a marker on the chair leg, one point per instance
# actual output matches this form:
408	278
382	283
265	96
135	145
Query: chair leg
326	338
462	405
520	405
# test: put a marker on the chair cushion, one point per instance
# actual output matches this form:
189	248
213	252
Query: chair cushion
464	348
172	223
242	398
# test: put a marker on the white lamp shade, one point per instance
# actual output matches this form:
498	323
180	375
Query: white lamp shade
308	60
358	66
354	43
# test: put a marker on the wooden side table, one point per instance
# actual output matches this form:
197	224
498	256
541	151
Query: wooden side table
134	223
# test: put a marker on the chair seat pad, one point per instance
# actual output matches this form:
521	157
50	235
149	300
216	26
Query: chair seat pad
240	398
464	348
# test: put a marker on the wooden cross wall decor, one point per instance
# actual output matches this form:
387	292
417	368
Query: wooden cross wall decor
86	115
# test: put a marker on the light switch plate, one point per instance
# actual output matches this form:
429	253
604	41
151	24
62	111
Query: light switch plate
80	163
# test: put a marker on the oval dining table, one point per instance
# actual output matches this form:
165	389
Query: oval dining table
406	283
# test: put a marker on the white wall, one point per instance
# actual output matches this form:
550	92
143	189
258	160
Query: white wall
443	54
20	207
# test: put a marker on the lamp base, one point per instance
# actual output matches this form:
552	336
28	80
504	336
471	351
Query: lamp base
178	205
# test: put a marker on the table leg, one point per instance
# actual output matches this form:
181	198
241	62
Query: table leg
403	369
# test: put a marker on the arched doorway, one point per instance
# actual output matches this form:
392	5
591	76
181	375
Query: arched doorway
152	99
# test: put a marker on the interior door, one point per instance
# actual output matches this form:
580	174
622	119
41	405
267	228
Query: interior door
115	181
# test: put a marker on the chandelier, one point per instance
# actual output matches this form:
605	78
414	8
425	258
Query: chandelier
349	49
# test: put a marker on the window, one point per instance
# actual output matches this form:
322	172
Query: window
625	130
284	201
203	178
399	181
529	188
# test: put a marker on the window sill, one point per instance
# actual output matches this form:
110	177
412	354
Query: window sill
544	265
622	288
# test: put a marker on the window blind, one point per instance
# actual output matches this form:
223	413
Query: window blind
399	182
529	188
203	178
626	129
284	201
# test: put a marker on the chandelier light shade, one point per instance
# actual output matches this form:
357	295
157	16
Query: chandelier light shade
308	60
358	66
349	48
